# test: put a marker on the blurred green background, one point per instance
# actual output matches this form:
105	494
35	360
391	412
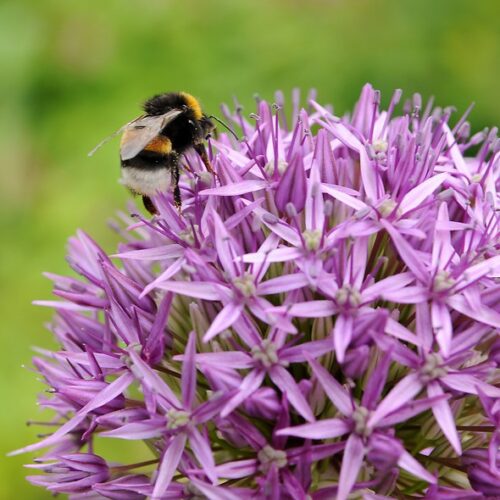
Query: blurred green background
73	71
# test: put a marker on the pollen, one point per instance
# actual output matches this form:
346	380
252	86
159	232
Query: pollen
360	418
380	146
177	418
312	238
433	368
443	281
348	296
245	284
267	353
387	207
268	457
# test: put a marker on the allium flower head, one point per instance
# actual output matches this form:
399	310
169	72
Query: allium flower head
320	320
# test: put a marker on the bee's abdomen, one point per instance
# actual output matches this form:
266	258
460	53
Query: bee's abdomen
146	182
148	160
149	171
160	144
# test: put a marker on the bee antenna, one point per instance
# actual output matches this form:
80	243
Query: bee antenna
225	125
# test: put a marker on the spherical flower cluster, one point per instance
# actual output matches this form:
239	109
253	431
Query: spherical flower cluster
319	321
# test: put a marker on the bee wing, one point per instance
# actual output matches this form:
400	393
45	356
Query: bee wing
139	133
114	134
144	128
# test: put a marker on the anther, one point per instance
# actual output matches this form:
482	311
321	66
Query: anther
268	456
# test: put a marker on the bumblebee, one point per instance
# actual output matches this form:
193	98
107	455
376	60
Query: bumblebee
152	144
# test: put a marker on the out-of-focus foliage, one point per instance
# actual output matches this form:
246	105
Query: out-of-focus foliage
72	72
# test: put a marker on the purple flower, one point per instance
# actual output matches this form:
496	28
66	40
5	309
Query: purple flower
483	475
133	486
321	319
366	424
71	473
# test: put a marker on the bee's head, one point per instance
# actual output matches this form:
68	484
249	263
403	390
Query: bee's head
207	125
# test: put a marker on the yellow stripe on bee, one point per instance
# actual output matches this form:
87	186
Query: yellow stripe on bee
193	104
160	144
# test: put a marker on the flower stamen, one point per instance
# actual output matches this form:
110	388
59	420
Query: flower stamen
268	457
177	419
245	284
348	296
433	368
267	354
360	418
312	239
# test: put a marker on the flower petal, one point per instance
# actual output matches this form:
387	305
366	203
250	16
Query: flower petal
299	353
323	429
469	384
147	429
390	284
344	198
283	254
441	323
483	314
226	317
277	226
156	253
247	387
171	270
488	267
229	359
444	416
408	463
109	393
442	249
237	469
292	186
189	372
226	247
343	134
196	289
407	252
337	394
220	492
282	284
168	465
315	207
397	330
342	335
146	375
401	393
419	193
313	309
238	188
282	378
233	221
203	453
354	454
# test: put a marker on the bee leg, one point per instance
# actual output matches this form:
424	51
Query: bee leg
200	149
187	168
149	205
177	190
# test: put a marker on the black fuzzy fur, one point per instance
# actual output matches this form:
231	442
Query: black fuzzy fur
184	132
